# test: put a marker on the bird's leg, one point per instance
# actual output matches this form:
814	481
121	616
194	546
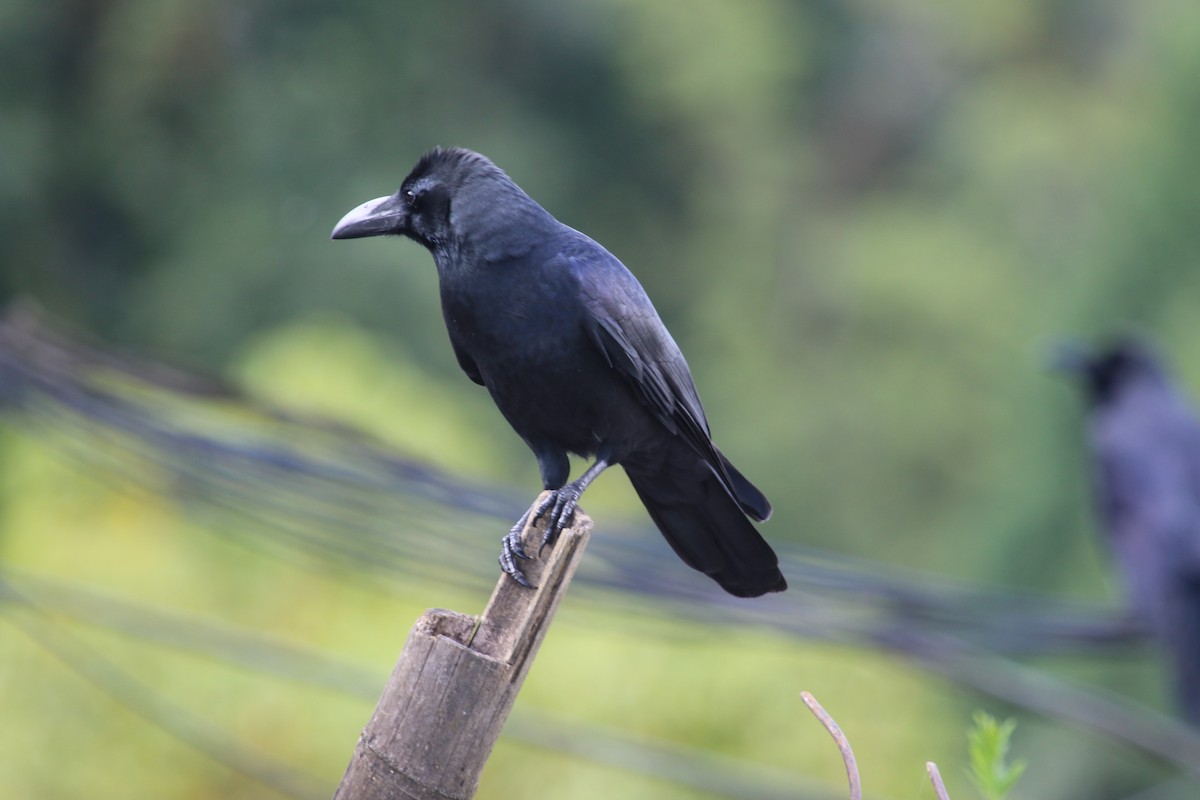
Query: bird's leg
560	503
563	501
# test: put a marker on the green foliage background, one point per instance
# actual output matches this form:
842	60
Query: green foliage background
864	221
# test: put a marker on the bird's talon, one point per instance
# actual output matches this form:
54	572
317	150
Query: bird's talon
536	514
509	564
512	544
519	576
561	518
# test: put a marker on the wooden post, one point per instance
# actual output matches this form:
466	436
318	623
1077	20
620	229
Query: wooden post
455	682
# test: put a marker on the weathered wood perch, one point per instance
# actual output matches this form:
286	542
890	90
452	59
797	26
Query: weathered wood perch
455	682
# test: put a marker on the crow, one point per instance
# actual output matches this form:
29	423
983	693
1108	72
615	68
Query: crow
577	360
1144	444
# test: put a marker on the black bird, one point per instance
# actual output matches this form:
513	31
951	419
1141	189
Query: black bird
1145	452
577	360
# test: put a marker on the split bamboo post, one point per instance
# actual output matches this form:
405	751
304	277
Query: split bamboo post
450	693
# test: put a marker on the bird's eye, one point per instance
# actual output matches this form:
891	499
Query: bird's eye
410	197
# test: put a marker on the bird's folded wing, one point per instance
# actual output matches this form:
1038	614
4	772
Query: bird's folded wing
624	325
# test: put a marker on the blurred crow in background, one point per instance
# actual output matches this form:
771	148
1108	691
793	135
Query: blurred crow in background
1145	450
577	360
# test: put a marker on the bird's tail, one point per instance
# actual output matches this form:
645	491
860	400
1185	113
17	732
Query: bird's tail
709	530
752	501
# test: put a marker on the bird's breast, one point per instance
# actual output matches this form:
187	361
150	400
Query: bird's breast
527	333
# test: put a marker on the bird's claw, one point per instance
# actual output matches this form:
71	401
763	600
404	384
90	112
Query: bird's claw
558	507
512	543
510	551
561	503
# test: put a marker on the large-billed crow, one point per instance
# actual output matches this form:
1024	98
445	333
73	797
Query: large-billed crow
1145	451
577	360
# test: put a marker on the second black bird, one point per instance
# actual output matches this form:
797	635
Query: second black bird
1145	451
577	360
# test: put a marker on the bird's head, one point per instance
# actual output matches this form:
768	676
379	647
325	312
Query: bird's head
1104	372
420	208
452	193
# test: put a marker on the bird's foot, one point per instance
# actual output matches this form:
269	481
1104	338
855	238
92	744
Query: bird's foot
558	507
511	549
561	504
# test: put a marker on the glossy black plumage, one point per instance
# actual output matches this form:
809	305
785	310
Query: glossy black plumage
577	360
1144	442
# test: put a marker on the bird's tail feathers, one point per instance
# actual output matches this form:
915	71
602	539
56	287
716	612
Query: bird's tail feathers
707	528
752	501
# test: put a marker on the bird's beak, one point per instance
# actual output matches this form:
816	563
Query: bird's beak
1068	357
377	217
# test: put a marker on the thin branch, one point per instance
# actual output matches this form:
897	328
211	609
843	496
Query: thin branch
839	738
935	778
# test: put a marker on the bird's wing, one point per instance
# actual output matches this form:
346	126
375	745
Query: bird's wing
661	377
622	322
1120	485
1130	509
624	325
1148	482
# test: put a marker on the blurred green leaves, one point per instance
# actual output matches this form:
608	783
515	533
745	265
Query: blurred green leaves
329	368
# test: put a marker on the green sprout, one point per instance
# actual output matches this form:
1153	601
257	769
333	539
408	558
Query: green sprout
988	744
